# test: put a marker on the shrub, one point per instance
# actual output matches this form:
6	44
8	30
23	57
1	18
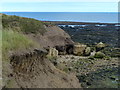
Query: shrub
91	57
99	55
107	57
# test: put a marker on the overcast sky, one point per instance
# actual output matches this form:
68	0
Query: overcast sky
59	5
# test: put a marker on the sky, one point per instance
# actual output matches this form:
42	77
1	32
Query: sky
59	6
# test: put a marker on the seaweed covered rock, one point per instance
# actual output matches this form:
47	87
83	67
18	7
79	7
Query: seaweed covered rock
61	49
100	46
99	55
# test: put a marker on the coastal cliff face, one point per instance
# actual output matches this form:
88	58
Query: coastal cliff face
29	67
33	70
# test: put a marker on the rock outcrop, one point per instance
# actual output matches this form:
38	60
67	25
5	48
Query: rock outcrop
52	52
79	49
87	51
100	46
66	49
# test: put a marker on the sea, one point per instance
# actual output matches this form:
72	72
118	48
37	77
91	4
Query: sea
100	17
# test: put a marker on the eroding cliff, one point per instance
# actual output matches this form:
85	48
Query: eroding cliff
33	70
24	67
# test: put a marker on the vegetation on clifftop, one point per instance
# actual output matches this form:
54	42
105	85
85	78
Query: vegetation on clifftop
15	41
14	33
26	25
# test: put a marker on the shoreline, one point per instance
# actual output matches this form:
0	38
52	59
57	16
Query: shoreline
78	23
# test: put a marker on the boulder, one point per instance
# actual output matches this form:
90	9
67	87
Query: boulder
69	48
93	53
53	52
100	46
87	51
79	49
61	50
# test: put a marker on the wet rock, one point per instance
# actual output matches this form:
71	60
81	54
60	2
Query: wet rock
88	83
69	48
66	49
61	50
112	78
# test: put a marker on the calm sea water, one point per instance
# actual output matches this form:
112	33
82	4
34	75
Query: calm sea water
103	17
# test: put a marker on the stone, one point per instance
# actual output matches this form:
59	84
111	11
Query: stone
61	50
79	49
69	48
100	46
87	51
92	53
53	52
66	49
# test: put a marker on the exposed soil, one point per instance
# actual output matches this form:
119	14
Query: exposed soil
53	37
33	70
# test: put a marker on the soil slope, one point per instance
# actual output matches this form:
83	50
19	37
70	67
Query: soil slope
54	36
33	70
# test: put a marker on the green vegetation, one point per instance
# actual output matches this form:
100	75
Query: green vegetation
14	33
15	41
99	55
26	25
91	57
112	52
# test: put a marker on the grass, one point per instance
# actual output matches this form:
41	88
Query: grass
15	41
26	25
14	33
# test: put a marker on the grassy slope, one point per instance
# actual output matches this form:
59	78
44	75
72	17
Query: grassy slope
14	32
26	25
14	38
14	41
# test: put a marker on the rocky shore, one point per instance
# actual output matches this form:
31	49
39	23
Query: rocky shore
95	66
42	55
